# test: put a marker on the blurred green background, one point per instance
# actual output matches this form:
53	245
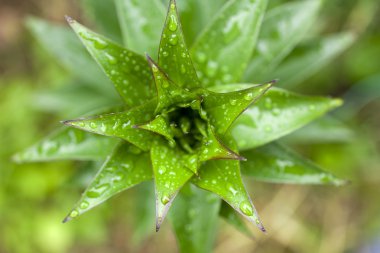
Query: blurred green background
35	197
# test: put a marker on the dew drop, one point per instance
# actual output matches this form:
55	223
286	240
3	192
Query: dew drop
248	96
173	39
74	214
211	68
165	199
111	59
173	25
233	101
246	208
161	170
83	205
232	189
165	54
99	43
93	125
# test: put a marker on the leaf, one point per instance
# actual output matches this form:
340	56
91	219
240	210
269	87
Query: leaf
223	50
60	42
203	10
168	93
277	164
127	70
230	216
124	169
68	144
223	108
285	26
194	218
121	125
103	14
276	114
323	130
310	58
223	178
173	54
159	126
171	172
141	23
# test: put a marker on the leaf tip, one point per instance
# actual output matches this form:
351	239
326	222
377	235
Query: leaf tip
69	19
66	219
336	102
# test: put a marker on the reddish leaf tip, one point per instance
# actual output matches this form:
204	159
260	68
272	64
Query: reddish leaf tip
67	219
69	19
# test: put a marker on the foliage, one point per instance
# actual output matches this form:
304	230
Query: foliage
191	153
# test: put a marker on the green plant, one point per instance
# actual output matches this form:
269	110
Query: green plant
191	127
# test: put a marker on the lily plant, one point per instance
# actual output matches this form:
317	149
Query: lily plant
192	118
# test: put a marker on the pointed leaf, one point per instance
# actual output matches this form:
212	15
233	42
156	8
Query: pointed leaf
277	164
121	125
212	148
276	114
223	108
225	47
170	174
223	178
124	169
60	42
159	126
310	58
169	94
230	216
194	218
284	27
173	55
68	144
127	70
141	23
103	14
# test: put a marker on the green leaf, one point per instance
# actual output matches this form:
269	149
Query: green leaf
230	216
223	108
141	23
311	57
60	42
127	70
168	93
203	10
278	164
124	169
68	144
285	26
324	130
223	178
159	126
171	172
223	50
121	125
173	55
276	114
194	216
103	14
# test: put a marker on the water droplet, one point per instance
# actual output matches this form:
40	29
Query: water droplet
93	194
248	96
99	43
173	39
74	213
183	69
111	59
161	170
246	208
165	84
93	125
233	101
201	57
232	189
172	6
83	205
81	124
165	54
165	199
211	68
103	127
173	25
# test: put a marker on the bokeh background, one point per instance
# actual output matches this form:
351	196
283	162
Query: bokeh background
35	197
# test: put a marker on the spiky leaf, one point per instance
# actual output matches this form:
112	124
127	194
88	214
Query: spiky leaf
122	170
